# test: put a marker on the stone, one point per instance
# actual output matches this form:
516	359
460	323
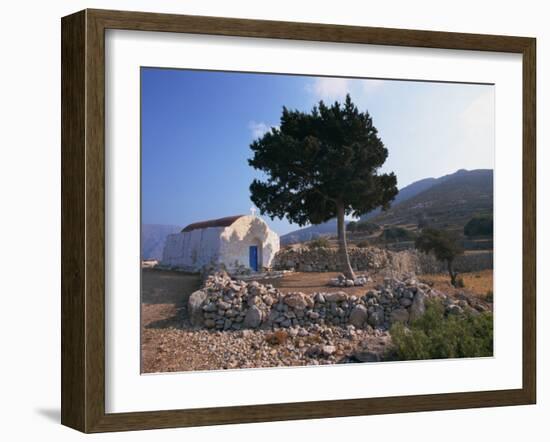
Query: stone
405	302
296	300
336	297
194	307
328	350
376	317
418	307
364	355
314	351
399	315
253	317
358	316
210	307
454	310
253	300
286	323
224	305
481	308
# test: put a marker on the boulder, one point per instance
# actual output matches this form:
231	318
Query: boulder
376	317
194	307
253	317
358	316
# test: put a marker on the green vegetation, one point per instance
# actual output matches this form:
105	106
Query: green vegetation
322	165
436	336
479	226
319	243
393	234
444	245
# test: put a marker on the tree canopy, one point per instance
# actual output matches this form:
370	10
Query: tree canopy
315	161
320	165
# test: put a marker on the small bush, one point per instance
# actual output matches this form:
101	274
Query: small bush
436	336
460	283
489	296
278	337
319	243
363	243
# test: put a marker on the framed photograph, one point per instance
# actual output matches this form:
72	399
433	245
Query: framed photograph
267	220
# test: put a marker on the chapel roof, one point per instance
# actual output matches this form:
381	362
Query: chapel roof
220	222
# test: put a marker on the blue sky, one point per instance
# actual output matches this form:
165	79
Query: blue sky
196	128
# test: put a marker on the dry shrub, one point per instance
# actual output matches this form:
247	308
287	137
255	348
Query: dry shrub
278	337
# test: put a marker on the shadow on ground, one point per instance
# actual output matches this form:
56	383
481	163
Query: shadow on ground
167	287
51	414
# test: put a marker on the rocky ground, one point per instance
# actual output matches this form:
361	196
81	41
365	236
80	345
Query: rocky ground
181	349
171	343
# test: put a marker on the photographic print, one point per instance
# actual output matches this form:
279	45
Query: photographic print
292	220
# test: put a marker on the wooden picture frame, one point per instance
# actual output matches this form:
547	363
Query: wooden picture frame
83	220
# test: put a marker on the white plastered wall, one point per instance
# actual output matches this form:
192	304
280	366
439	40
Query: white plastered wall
192	250
245	232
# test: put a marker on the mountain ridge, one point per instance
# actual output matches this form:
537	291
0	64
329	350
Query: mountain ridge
407	193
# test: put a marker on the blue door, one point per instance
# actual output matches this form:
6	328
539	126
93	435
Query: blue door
253	258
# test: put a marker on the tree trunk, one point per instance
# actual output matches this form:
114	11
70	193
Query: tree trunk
452	273
345	264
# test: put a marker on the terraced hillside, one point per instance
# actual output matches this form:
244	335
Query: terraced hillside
449	203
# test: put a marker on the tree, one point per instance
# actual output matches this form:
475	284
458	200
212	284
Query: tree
444	246
367	227
479	225
321	165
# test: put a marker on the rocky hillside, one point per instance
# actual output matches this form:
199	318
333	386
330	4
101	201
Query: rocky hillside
450	202
153	237
434	198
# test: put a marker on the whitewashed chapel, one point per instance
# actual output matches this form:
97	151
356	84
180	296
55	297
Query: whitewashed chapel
233	242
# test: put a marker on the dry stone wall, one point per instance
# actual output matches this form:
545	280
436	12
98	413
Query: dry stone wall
226	304
401	264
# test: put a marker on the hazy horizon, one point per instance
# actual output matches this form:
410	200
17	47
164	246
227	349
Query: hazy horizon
197	127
